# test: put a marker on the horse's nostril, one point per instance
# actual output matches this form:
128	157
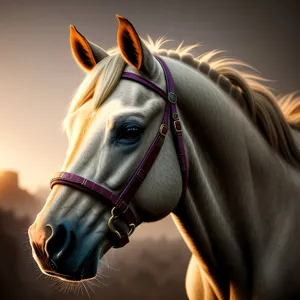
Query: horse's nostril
48	232
58	242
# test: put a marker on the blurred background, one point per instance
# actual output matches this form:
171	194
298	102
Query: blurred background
38	76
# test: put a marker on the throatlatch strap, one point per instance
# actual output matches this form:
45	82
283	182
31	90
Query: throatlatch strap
177	129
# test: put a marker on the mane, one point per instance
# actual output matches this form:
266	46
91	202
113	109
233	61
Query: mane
273	115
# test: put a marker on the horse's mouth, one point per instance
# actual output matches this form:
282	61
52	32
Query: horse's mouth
84	274
86	271
63	277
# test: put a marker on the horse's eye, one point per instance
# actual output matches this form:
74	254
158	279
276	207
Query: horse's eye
130	134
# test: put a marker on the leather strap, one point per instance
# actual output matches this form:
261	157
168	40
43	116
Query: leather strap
177	129
96	190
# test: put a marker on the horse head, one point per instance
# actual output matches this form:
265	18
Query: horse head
103	193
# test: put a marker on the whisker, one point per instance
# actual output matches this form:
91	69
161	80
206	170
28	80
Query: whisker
86	289
90	284
81	289
107	265
101	283
39	276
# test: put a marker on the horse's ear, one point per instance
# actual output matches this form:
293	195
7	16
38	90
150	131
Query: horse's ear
85	53
132	48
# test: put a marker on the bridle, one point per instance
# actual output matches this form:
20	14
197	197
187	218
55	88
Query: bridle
120	203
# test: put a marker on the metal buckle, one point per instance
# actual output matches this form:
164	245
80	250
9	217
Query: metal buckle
161	128
177	122
172	97
112	228
175	116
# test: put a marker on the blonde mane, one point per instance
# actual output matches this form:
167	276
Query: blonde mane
272	115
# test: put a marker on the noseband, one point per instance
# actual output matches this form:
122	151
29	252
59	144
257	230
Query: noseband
120	203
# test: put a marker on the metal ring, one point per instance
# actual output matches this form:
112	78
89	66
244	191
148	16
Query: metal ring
175	116
161	129
112	228
177	122
111	225
132	229
172	97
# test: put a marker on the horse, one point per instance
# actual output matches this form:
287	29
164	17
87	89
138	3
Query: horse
154	132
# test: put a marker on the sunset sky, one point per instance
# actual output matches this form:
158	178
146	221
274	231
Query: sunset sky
38	74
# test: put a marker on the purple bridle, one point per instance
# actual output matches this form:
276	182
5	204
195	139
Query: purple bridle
121	203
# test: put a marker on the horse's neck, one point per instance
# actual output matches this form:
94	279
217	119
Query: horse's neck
236	182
